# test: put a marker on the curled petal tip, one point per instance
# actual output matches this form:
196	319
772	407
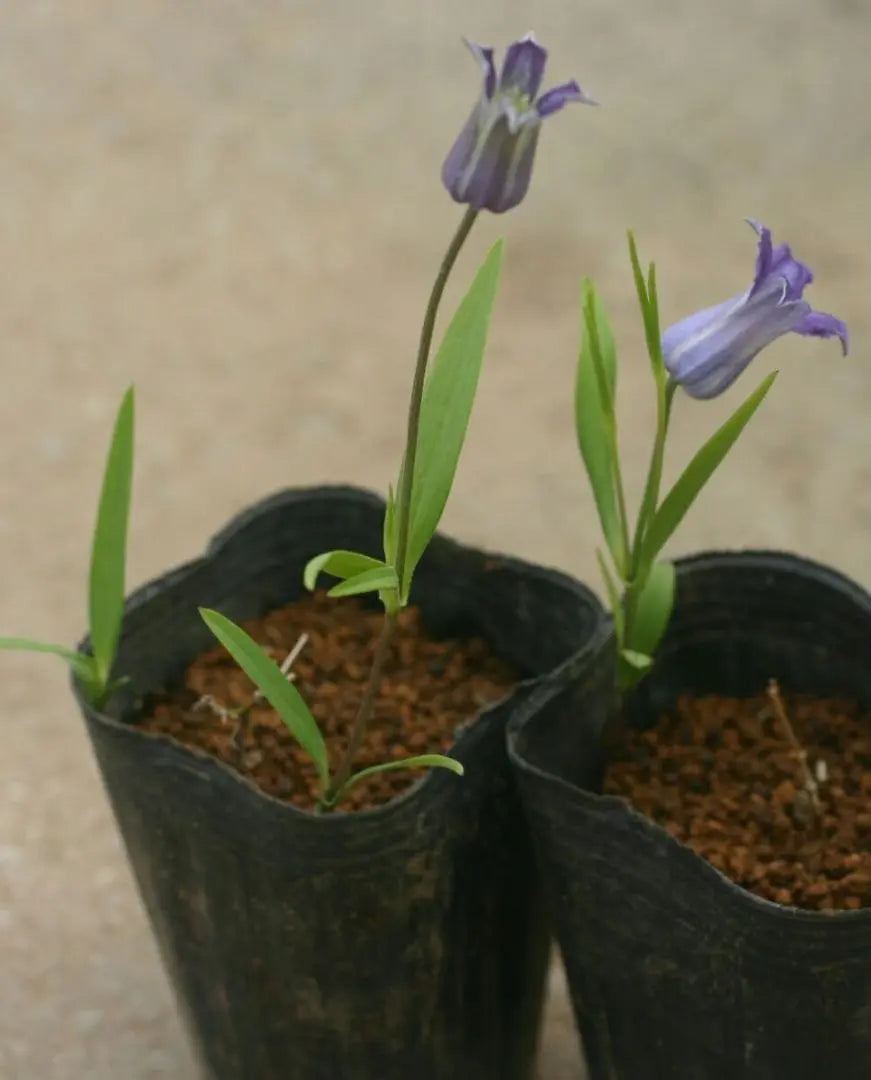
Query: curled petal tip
484	56
559	96
819	324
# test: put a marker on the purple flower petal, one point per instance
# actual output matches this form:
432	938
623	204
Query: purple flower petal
457	162
523	68
559	96
484	55
510	188
479	180
763	257
819	324
502	176
683	333
796	274
489	165
778	264
709	362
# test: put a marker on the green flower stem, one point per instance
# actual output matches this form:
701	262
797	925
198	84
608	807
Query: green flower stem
636	578
403	500
654	475
621	497
364	713
403	508
630	593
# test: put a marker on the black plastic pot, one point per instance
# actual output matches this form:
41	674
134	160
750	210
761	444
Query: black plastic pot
403	942
674	971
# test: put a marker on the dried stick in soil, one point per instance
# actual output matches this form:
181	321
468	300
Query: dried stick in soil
240	716
810	807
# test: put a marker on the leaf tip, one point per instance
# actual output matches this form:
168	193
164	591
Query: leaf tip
310	573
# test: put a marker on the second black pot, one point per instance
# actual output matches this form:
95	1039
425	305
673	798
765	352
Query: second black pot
403	942
674	971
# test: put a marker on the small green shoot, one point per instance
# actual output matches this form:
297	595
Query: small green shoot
107	572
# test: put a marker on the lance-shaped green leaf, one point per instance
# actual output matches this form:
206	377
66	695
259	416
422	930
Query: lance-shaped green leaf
373	580
82	664
595	388
422	761
341	564
273	684
648	302
109	549
654	343
681	497
652	609
448	396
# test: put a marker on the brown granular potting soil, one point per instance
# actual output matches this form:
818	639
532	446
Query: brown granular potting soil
721	776
430	689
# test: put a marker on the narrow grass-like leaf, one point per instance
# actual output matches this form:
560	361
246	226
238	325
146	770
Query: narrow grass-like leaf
341	564
647	300
389	531
448	396
268	677
597	369
81	663
652	609
109	549
654	338
640	284
380	577
599	340
681	497
422	761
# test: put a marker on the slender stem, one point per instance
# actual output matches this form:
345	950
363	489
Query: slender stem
648	506
403	507
621	497
403	502
364	711
654	475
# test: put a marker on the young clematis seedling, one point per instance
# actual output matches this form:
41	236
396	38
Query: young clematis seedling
108	559
704	354
489	168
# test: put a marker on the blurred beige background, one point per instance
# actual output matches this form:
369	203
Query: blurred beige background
237	206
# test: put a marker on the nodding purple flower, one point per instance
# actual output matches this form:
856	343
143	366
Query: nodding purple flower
706	352
490	164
